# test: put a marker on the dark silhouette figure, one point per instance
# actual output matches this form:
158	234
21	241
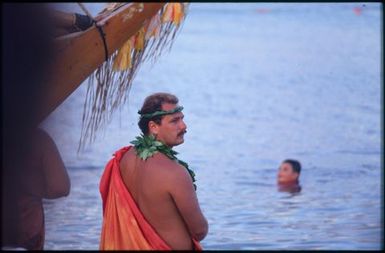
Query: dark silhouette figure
32	168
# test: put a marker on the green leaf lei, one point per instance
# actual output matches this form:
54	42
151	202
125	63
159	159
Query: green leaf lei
146	146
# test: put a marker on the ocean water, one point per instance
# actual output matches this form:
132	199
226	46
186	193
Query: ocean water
260	82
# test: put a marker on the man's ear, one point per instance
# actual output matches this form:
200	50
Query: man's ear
153	127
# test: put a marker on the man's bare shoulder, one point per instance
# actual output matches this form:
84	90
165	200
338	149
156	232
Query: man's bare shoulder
161	165
174	176
161	161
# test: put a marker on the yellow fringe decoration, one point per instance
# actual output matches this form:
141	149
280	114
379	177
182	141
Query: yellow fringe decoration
168	13
174	13
139	39
123	58
178	13
153	27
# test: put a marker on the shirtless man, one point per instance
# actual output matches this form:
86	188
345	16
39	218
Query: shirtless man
162	187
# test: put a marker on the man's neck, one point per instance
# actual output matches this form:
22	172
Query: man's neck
164	143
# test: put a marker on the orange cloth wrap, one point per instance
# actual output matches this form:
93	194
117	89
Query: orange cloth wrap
124	226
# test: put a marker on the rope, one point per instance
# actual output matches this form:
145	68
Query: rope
100	29
85	10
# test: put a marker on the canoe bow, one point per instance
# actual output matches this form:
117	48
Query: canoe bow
78	55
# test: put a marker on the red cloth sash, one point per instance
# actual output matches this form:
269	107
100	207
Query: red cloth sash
124	226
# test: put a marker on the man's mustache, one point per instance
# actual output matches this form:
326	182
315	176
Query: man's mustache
182	133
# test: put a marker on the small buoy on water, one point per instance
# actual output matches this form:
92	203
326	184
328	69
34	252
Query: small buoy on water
357	10
262	10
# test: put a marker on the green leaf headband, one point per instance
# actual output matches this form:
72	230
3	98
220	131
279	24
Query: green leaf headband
160	113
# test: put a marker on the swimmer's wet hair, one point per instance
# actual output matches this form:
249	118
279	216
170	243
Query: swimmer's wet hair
295	164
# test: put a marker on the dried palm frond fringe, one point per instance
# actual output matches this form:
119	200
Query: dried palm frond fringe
109	85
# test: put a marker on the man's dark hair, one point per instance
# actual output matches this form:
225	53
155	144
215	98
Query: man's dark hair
294	164
152	104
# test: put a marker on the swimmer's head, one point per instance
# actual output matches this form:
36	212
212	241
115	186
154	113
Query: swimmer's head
289	172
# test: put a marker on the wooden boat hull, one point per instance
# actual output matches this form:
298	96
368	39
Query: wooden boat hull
78	55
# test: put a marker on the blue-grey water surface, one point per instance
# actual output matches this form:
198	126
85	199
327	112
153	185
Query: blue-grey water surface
260	82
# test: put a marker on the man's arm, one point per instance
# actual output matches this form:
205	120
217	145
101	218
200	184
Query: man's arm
183	193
